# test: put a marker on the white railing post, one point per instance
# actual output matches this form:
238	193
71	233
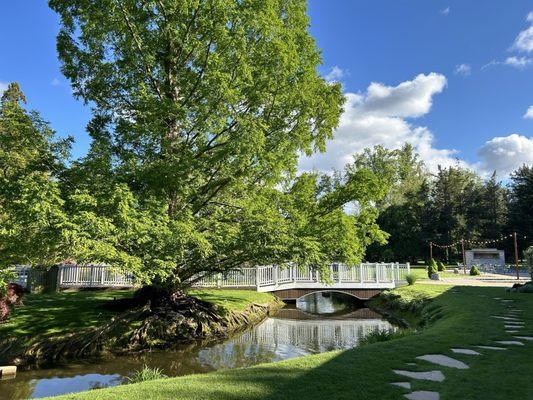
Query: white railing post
377	272
275	275
59	276
361	271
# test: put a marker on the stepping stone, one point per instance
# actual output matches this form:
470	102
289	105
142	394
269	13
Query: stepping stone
492	347
411	364
529	338
466	351
435	376
405	385
443	360
510	342
497	298
506	318
512	331
513	326
422	395
507	301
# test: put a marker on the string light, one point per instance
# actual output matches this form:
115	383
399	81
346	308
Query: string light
474	242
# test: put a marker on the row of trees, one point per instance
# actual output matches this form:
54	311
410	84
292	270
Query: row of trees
444	207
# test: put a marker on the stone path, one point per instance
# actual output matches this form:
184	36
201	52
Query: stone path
511	322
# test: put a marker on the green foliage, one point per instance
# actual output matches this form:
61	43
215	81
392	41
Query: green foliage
440	266
378	336
32	219
6	276
196	139
146	374
474	271
527	288
432	268
411	279
521	199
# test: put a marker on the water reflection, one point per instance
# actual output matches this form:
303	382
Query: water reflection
315	324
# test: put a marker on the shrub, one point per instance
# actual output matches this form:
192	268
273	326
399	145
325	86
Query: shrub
432	268
474	271
440	266
383	336
411	279
12	296
146	374
527	288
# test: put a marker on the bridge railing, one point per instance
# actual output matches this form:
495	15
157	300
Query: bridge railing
273	275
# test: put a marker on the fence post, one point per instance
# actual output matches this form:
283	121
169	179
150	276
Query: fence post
219	280
377	273
59	276
275	275
361	270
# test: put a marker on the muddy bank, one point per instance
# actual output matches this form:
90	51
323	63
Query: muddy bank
137	330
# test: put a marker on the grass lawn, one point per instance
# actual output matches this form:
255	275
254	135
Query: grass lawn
460	320
421	273
234	300
65	312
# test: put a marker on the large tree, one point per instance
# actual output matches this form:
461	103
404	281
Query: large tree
201	111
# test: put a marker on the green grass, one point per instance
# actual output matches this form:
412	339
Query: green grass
421	273
66	312
60	313
458	320
233	300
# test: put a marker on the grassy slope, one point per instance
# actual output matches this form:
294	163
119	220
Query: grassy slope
61	313
364	373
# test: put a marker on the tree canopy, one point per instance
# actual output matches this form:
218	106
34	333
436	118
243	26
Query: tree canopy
201	112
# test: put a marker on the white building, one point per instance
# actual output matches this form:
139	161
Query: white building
493	257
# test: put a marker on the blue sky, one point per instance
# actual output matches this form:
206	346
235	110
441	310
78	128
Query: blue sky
447	76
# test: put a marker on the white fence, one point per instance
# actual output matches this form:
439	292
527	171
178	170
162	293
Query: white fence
272	275
92	276
262	278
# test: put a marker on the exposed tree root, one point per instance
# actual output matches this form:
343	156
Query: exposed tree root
157	324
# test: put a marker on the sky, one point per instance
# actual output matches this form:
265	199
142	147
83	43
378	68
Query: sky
454	78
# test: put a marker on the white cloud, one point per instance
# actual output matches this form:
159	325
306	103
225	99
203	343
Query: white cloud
529	113
518	62
505	154
55	82
445	11
463	69
524	40
379	116
335	75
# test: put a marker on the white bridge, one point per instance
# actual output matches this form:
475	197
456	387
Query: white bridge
291	282
288	283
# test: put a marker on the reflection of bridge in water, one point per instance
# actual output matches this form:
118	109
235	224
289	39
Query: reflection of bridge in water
315	335
298	314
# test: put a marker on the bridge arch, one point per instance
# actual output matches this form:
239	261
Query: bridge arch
295	294
341	291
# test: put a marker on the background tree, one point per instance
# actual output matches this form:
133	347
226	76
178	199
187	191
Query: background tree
520	205
32	220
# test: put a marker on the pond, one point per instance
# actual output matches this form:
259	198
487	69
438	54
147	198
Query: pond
315	324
